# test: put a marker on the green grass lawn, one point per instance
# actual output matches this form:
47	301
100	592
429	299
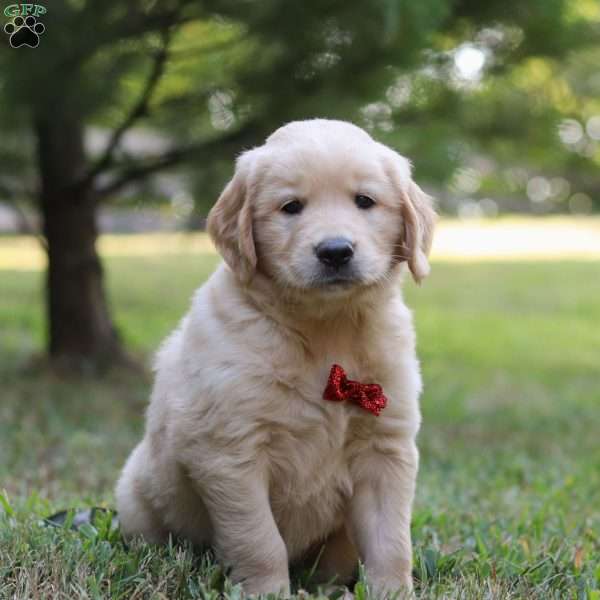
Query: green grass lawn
508	501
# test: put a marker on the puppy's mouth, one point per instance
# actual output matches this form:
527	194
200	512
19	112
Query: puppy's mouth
337	280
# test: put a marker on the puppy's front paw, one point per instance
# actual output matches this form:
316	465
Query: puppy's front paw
266	585
399	588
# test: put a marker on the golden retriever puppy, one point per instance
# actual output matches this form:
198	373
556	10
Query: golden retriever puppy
285	408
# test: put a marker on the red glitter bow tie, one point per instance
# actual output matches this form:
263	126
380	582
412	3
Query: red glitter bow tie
367	395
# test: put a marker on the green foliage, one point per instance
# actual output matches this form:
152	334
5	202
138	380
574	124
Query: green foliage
509	485
257	65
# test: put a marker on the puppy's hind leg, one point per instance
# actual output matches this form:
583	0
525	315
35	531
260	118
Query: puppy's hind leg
136	516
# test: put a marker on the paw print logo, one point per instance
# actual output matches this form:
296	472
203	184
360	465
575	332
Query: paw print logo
24	32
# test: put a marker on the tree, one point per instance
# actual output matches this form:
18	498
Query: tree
508	108
214	77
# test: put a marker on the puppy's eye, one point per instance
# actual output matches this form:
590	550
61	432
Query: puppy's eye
293	207
363	201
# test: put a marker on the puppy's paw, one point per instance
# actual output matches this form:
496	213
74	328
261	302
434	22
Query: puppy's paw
391	588
266	585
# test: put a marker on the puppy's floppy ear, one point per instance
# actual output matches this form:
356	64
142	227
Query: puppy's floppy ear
418	216
418	223
230	223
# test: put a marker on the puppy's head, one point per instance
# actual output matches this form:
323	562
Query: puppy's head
322	207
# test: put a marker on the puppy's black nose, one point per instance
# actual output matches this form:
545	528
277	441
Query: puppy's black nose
335	252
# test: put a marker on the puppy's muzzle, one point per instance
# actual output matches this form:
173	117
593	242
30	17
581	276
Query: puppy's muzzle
335	252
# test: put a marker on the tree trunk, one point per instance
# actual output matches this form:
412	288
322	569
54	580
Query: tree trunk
80	332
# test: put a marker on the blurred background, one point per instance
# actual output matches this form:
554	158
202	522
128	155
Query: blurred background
117	132
126	118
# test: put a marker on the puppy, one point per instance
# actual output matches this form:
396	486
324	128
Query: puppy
285	407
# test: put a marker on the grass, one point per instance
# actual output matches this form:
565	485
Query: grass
508	502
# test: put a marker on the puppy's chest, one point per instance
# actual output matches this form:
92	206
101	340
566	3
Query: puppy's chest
305	461
311	481
311	450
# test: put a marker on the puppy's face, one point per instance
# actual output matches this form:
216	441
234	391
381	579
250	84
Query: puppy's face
322	207
325	214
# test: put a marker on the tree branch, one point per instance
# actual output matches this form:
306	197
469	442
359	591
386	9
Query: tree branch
228	144
138	110
9	196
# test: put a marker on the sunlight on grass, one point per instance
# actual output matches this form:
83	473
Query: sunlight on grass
510	238
25	253
518	238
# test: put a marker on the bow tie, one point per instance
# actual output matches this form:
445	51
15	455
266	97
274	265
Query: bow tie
366	395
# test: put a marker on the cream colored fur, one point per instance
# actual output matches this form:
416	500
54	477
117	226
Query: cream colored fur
241	451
